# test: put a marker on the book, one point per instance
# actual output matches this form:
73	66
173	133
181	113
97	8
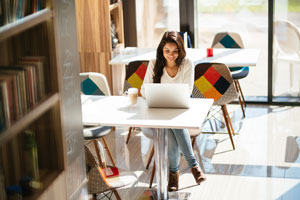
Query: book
30	156
19	75
2	186
7	12
8	95
2	112
12	10
110	171
2	16
39	63
4	107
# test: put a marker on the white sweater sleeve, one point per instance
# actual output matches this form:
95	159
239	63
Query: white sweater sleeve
188	74
148	76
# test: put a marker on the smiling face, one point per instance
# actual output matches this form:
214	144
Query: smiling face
170	52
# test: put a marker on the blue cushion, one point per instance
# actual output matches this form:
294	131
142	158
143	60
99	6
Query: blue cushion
88	87
96	132
228	42
241	74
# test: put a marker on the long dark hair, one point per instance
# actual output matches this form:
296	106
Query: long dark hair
168	37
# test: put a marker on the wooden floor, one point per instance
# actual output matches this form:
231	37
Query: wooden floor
265	164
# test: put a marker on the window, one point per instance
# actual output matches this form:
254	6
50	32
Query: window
248	18
153	18
286	51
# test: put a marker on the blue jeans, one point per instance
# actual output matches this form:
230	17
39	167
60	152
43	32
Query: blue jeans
178	141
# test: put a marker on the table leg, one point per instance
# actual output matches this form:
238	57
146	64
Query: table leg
160	154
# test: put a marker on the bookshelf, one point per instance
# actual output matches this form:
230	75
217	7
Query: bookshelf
41	141
94	21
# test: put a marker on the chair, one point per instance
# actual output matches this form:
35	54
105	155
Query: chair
99	184
233	40
213	80
287	43
193	134
186	39
93	83
135	73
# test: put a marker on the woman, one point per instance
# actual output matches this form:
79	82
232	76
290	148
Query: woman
171	66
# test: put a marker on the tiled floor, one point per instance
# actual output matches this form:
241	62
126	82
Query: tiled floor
265	164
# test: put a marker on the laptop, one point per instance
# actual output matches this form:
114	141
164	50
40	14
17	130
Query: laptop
167	95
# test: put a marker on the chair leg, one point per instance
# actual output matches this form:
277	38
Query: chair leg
150	157
228	121
152	175
291	75
98	153
108	152
117	194
193	141
241	92
242	106
241	101
131	129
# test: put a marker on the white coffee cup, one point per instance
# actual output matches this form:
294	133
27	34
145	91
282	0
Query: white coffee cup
132	93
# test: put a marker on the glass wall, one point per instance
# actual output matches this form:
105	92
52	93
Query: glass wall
153	18
286	51
248	18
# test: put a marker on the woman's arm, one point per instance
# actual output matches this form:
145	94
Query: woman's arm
148	76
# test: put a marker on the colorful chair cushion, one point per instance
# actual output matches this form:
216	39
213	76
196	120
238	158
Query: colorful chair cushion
135	73
213	80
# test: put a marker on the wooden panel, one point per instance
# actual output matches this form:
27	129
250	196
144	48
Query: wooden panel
94	38
92	25
57	190
70	92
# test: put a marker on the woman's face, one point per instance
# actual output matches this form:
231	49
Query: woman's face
170	52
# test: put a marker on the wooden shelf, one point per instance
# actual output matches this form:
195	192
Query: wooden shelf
115	5
48	34
25	23
31	116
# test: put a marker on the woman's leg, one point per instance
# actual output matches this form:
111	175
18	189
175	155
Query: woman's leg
173	151
182	138
184	141
174	161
